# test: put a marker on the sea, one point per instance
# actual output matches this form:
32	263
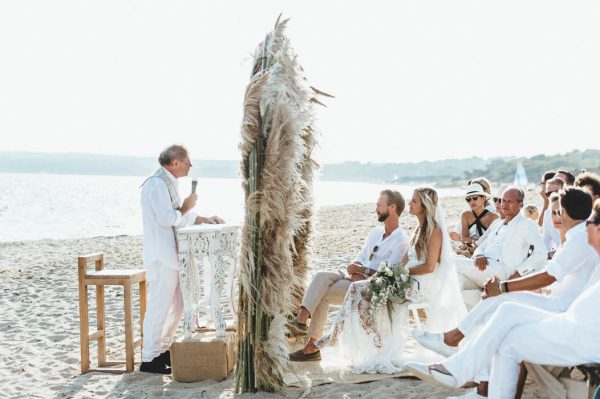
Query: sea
41	206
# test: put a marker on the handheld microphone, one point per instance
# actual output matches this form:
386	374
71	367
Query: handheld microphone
194	184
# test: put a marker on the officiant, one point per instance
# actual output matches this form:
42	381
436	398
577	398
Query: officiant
162	212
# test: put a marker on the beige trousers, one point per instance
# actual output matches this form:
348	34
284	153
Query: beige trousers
326	288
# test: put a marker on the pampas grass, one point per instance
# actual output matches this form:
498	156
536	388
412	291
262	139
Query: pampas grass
277	168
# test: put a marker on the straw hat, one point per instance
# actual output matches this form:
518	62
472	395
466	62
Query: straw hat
476	189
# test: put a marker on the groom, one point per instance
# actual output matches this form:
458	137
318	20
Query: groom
387	244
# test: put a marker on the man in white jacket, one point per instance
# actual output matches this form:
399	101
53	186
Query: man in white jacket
513	247
163	212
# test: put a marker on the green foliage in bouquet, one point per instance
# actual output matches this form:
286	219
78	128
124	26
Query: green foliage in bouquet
389	286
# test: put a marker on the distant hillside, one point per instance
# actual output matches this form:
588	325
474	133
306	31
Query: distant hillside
444	171
96	164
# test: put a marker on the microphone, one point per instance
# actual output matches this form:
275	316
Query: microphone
194	184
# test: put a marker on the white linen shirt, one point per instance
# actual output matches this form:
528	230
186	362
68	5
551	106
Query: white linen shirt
550	235
583	314
390	251
572	266
159	218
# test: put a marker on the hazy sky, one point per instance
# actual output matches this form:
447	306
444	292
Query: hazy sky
414	80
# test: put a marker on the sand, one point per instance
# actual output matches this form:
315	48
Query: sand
39	318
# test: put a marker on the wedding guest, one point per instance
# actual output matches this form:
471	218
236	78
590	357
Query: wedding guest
385	244
487	187
477	220
162	212
517	332
568	272
567	177
506	251
549	234
589	181
498	205
545	177
556	220
531	211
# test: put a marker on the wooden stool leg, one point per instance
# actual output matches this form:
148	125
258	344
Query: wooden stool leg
100	320
143	297
128	328
84	327
521	381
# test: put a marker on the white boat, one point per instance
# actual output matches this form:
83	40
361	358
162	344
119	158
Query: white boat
520	179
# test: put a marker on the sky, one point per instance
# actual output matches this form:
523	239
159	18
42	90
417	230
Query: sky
413	80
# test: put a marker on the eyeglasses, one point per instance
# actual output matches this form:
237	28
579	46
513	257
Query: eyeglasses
588	222
375	248
472	198
497	200
557	212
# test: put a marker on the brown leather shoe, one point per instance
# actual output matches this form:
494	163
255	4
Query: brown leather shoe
300	356
297	329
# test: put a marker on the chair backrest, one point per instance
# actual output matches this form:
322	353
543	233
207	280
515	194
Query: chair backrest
83	261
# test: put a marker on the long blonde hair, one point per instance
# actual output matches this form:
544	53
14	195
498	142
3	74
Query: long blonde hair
429	201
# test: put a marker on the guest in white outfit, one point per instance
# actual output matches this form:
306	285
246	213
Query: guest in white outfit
385	244
570	271
512	248
550	235
162	212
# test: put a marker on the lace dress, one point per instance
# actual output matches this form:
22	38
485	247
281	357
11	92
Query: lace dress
375	347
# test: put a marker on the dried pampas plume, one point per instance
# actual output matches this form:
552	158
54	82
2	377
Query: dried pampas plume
278	137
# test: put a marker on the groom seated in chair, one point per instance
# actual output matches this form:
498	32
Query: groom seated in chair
385	244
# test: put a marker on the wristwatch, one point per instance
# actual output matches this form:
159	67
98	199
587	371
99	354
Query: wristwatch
366	271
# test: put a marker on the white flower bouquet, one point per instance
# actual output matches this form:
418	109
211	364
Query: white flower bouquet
389	286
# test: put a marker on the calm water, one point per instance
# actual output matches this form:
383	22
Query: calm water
35	206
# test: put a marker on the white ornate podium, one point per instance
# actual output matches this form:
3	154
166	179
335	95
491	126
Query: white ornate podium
198	244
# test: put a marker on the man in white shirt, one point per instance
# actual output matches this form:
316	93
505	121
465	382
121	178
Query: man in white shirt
506	249
385	244
163	212
568	272
518	332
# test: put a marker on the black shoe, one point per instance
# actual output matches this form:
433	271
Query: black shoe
157	366
165	357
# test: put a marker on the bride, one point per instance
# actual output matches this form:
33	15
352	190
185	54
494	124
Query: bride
377	345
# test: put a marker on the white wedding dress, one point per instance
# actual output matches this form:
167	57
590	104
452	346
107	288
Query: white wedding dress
379	346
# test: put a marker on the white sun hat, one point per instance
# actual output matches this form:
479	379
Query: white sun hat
476	189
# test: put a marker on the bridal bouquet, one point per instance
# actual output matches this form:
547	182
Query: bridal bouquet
389	286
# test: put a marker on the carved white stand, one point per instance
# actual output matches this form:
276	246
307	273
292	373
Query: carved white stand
196	244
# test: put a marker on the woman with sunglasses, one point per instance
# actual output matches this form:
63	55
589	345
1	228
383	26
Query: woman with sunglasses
475	221
377	346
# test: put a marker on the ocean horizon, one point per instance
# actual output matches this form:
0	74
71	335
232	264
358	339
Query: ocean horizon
42	206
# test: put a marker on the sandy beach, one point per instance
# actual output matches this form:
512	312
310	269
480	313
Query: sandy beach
39	321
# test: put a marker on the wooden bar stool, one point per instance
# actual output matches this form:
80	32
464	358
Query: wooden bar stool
101	277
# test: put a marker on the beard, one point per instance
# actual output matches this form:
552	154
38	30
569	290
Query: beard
383	216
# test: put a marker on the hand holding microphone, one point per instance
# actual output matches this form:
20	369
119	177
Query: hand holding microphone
190	202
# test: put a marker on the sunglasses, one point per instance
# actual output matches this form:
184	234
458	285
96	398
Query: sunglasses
472	198
556	213
588	222
373	253
497	200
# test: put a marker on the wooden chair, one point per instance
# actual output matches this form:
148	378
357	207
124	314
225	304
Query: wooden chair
417	310
99	278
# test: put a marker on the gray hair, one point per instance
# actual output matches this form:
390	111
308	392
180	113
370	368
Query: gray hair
171	153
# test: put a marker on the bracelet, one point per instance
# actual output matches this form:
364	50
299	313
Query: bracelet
503	287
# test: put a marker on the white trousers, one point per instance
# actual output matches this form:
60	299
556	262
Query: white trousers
164	310
470	277
516	333
484	310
